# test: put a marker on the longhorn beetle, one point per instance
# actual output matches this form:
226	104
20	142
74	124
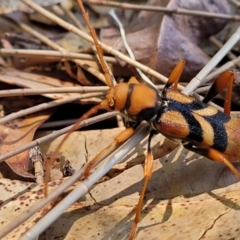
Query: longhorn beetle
201	128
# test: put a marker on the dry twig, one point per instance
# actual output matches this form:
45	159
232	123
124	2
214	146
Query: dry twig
52	54
166	10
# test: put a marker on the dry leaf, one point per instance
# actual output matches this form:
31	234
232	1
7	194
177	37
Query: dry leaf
187	217
19	197
180	35
19	135
213	216
80	146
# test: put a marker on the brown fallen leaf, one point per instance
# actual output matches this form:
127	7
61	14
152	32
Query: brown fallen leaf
181	34
18	135
213	216
35	81
159	41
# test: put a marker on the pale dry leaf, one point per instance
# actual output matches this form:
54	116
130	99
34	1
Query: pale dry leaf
20	197
178	198
214	216
176	202
81	146
73	149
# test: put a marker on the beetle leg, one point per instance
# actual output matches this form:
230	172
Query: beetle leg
215	156
147	176
175	75
122	137
224	80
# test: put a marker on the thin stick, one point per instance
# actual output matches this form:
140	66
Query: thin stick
36	157
40	204
109	78
180	11
52	54
200	90
27	92
70	14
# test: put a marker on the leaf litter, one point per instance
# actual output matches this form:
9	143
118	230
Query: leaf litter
182	195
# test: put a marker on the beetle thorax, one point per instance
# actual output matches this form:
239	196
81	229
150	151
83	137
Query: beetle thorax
133	100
